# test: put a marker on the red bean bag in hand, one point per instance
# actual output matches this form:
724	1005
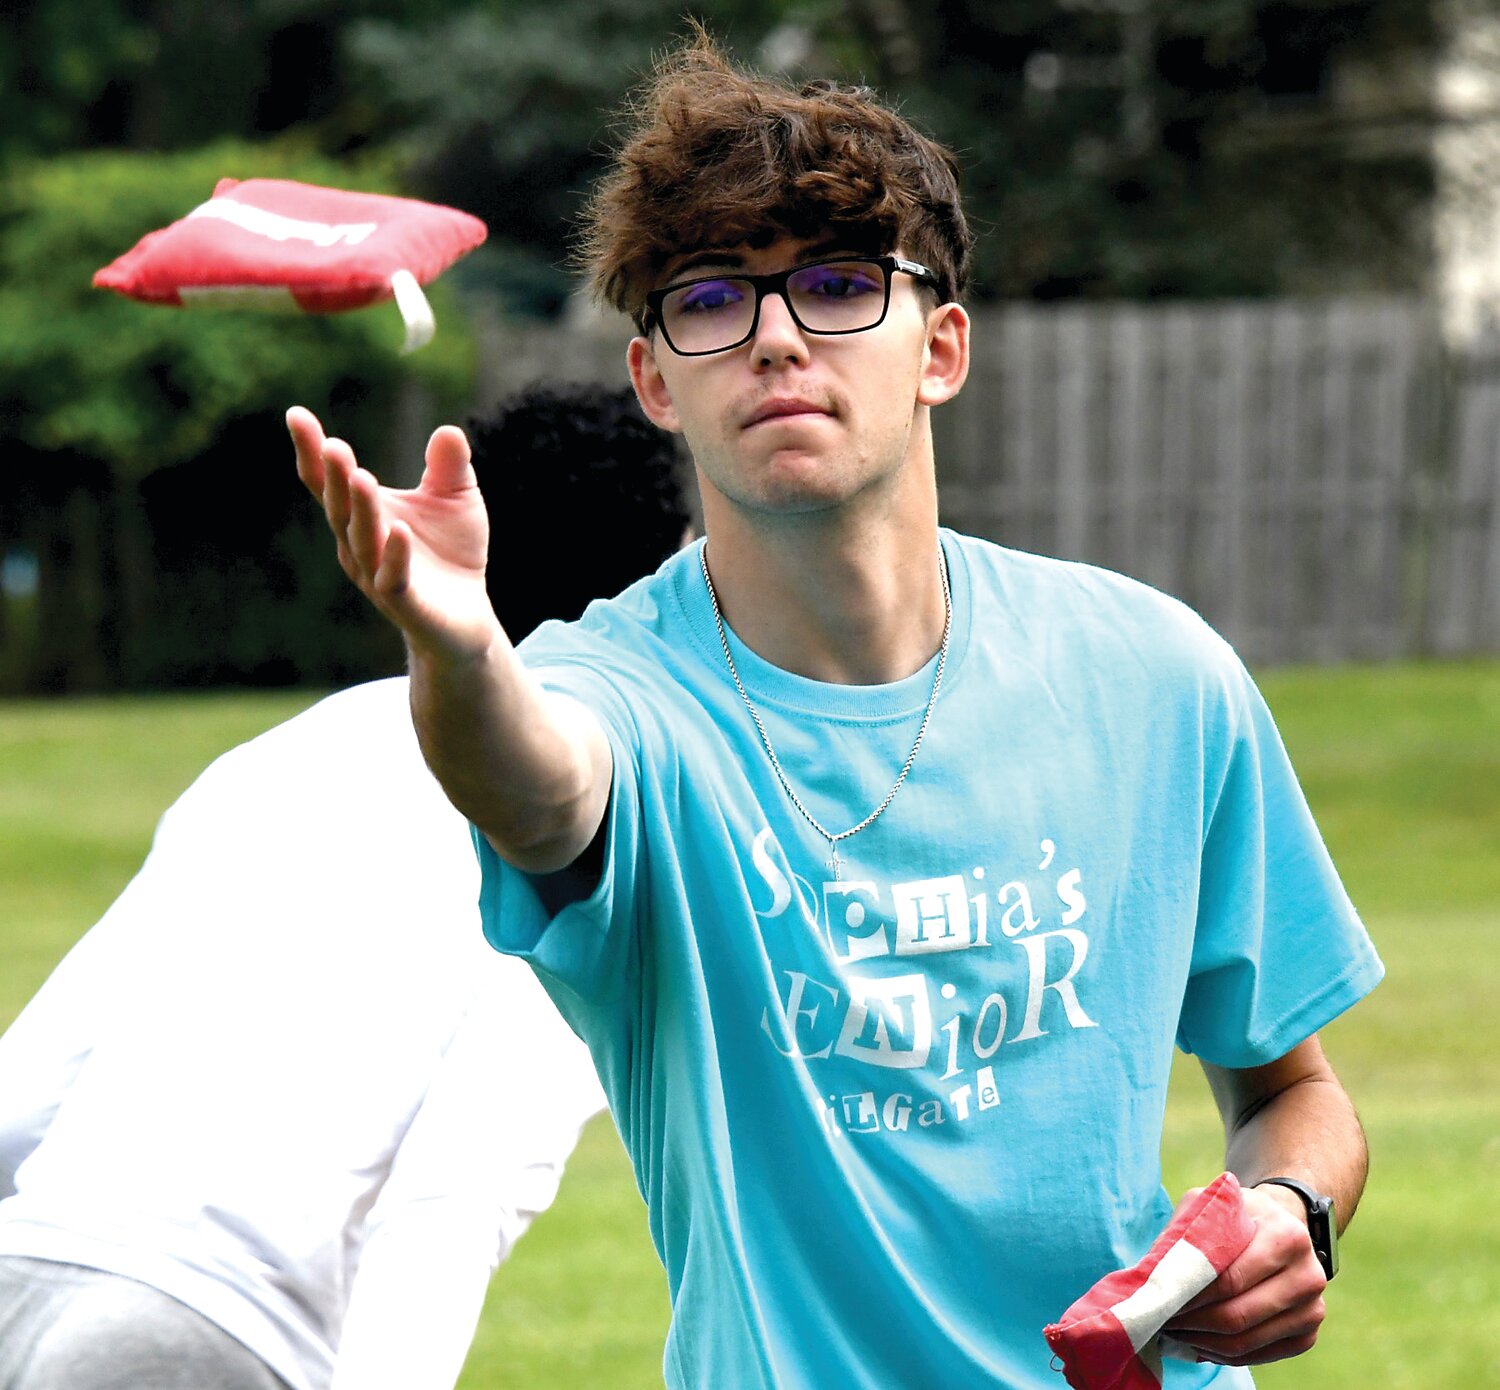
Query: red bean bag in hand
321	250
1111	1338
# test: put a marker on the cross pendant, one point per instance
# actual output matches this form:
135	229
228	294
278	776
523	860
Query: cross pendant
833	863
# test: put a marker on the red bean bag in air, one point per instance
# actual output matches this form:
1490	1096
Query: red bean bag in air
321	250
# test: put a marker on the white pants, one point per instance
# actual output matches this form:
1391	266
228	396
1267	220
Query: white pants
66	1327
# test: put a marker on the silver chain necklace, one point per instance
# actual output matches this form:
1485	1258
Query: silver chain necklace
937	682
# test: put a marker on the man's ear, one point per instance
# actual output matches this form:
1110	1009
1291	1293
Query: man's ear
650	389
945	361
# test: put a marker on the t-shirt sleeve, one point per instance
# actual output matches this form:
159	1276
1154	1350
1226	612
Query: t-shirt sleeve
587	945
1279	950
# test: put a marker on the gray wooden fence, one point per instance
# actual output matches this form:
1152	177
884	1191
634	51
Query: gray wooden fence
1462	556
1321	480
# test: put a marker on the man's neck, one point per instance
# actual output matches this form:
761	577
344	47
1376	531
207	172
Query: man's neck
852	596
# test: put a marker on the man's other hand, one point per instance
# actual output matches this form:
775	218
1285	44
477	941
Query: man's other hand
1268	1305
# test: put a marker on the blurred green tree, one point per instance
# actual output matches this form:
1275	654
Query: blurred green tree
1111	147
1145	148
501	109
111	391
170	74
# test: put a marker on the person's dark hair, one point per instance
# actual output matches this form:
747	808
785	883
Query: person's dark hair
712	155
584	497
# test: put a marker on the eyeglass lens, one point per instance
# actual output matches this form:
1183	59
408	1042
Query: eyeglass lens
831	297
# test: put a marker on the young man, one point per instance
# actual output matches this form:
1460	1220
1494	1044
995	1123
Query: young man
881	868
277	1117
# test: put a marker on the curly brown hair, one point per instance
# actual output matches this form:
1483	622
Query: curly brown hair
713	155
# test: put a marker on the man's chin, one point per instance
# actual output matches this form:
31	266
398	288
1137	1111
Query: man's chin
790	482
800	496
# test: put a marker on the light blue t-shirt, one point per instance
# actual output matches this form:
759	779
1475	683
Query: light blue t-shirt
889	1126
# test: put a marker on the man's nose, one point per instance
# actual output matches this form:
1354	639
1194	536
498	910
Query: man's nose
777	336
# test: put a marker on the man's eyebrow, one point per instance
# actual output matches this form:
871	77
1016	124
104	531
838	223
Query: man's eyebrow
726	258
825	249
711	257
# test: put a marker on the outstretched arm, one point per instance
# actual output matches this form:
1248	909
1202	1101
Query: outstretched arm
1290	1118
530	769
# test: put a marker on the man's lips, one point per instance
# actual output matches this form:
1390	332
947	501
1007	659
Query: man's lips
783	408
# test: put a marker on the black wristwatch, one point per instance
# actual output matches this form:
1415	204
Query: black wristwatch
1320	1223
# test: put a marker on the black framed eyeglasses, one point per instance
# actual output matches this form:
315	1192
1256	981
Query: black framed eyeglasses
845	294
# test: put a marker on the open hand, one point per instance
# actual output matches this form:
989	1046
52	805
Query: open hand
417	554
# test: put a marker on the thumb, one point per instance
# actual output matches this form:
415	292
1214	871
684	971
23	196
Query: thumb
447	461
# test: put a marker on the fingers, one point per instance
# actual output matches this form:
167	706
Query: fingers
393	575
447	461
364	526
330	471
378	549
307	440
339	468
327	468
356	517
1290	1304
1259	1348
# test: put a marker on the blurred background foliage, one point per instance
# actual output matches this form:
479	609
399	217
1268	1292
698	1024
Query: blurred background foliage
151	530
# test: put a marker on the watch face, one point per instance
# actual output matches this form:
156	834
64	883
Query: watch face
1326	1237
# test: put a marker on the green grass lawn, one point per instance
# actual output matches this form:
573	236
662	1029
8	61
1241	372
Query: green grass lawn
1402	766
